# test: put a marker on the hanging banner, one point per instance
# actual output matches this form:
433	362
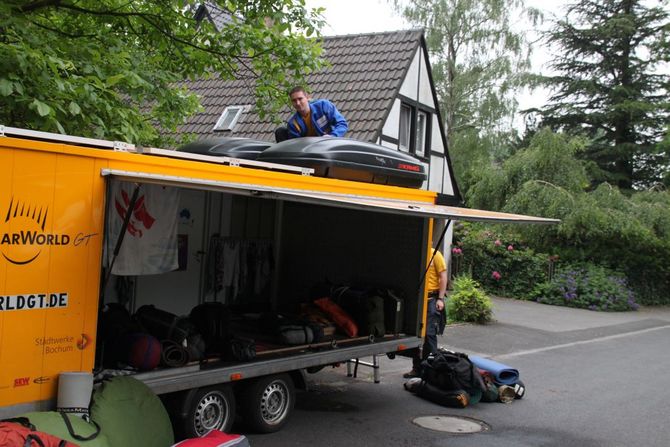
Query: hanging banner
150	243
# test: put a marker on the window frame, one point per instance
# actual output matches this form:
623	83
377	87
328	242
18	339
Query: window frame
236	111
421	138
408	143
405	124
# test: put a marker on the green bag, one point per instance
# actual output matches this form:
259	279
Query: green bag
82	433
130	414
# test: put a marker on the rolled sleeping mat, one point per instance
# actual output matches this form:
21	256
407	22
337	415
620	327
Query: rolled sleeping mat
502	374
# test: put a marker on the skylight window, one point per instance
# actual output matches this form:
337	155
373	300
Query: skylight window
229	118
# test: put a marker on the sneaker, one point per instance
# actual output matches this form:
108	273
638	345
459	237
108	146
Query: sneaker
413	373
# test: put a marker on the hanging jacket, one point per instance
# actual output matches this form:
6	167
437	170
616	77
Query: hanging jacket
325	117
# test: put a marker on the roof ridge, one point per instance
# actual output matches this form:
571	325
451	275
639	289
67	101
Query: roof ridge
376	33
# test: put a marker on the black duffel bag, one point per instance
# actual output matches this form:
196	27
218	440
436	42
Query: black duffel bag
452	371
168	326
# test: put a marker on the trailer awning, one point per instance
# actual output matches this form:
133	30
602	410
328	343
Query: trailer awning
421	209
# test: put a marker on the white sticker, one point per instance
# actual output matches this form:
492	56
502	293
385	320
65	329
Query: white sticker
31	301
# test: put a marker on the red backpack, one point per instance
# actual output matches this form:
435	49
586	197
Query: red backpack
19	432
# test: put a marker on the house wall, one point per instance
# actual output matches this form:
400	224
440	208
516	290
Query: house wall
416	90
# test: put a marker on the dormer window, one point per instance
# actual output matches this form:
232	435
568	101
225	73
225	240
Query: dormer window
229	118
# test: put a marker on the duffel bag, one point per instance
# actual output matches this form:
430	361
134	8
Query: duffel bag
168	326
19	432
296	334
449	370
240	348
452	398
70	428
341	319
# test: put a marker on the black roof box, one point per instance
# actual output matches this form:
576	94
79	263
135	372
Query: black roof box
348	159
245	148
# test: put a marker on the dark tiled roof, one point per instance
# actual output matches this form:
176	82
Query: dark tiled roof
215	14
366	73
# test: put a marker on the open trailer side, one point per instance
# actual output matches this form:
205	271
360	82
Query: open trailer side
72	208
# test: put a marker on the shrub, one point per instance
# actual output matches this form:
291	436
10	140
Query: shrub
501	263
468	302
623	230
587	286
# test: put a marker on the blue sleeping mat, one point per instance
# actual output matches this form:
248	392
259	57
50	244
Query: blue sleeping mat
502	374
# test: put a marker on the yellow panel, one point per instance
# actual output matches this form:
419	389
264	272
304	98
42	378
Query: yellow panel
52	229
25	210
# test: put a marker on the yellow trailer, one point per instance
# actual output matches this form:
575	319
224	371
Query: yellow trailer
56	205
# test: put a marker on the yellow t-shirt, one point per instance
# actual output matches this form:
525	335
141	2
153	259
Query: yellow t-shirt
311	132
433	276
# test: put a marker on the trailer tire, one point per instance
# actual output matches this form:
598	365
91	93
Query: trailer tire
209	408
267	402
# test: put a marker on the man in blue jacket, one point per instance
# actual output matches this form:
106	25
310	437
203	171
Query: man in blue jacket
318	118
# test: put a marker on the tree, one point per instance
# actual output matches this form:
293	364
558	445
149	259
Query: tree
603	226
111	68
610	86
478	60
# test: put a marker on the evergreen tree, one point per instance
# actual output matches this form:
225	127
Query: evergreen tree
610	87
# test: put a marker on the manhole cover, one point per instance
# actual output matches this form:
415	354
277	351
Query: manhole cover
451	424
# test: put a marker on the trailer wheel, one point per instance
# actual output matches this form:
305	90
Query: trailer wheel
210	408
267	402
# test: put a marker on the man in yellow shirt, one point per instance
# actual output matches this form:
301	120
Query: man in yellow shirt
436	284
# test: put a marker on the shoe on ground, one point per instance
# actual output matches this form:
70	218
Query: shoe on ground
413	373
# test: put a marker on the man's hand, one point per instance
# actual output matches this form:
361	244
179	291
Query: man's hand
439	304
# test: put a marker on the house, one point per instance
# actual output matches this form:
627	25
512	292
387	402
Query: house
382	84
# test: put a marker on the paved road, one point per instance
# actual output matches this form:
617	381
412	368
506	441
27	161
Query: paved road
593	379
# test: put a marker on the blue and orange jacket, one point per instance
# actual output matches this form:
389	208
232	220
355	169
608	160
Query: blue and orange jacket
326	120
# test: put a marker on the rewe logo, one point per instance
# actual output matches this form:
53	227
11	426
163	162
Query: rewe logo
21	381
140	217
25	244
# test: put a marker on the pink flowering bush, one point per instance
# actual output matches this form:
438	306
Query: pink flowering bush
503	265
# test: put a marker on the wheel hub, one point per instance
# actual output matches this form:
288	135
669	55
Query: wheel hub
209	414
274	402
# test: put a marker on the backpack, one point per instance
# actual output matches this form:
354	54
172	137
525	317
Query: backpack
451	371
19	432
212	320
366	307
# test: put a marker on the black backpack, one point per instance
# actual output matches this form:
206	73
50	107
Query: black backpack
212	321
451	371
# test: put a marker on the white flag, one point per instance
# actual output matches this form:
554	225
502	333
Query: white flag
150	242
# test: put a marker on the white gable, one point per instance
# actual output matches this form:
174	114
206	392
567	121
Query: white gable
417	85
414	101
